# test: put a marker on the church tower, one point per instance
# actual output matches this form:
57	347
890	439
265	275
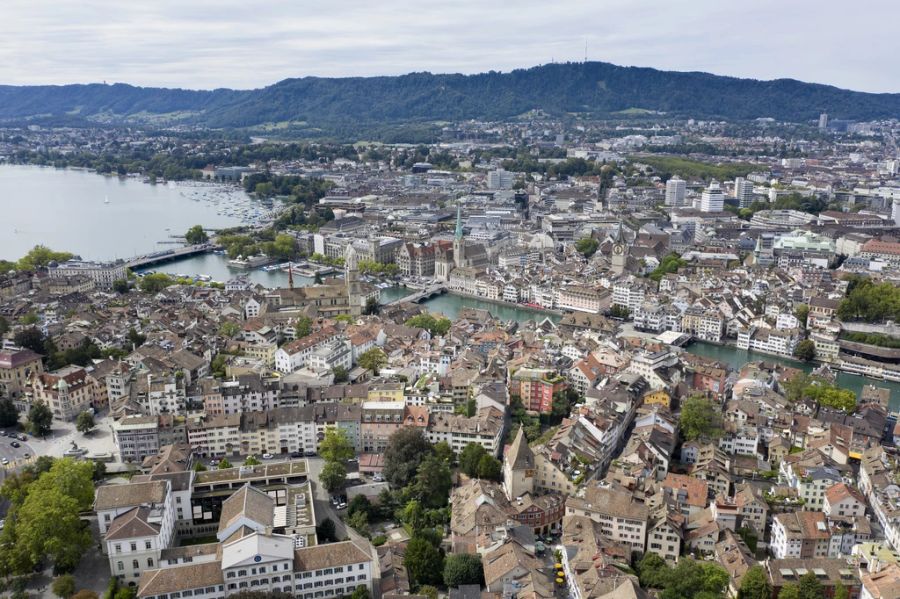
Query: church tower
518	468
619	256
459	247
351	279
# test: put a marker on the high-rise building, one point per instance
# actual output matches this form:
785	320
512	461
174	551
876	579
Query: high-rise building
823	121
743	191
713	198
675	189
500	179
895	212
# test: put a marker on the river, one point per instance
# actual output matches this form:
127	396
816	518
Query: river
67	209
738	357
450	304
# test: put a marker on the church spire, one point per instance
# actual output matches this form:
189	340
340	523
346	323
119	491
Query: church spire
459	230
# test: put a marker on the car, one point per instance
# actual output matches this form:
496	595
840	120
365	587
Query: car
16	444
3	433
22	437
267	456
2	523
342	506
297	454
353	460
309	453
26	456
4	461
378	478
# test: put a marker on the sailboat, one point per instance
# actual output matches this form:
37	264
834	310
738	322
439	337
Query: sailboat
106	200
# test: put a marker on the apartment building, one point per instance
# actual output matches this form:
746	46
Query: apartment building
485	428
294	355
67	391
621	517
536	387
17	366
779	342
802	534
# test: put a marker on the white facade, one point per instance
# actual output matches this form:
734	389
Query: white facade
712	199
675	190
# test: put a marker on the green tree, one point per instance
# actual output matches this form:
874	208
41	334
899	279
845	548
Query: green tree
372	307
333	476
700	417
359	521
587	246
4	325
40	256
29	319
805	350
424	562
229	329
196	235
336	447
470	458
669	264
653	571
490	468
789	591
84	423
463	568
325	531
31	338
155	282
360	503
406	449
121	286
252	460
810	587
224	464
199	466
695	579
841	592
85	594
284	246
755	584
437	326
64	586
428	591
374	359
802	313
433	481
303	327
444	452
360	592
40	419
341	375
9	415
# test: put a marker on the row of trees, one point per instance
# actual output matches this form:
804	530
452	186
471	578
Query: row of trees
869	301
38	257
805	387
438	326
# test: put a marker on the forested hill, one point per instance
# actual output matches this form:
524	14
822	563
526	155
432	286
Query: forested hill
595	87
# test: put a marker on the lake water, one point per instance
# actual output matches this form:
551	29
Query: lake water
738	357
65	209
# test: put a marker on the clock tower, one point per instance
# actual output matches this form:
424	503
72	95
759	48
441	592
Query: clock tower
619	257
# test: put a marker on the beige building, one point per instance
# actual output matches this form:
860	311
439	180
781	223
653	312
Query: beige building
622	518
17	366
67	391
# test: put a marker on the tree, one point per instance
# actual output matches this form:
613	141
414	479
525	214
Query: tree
121	286
669	264
801	312
805	350
653	571
199	466
810	587
31	338
333	476
224	464
372	307
789	591
424	562
341	375
695	579
373	359
463	568
489	468
155	282
84	423
4	326
406	449
444	452
437	326
359	521
336	447
755	584
433	481
303	327
64	586
85	594
252	460
40	419
196	235
359	503
229	329
325	531
360	592
428	591
841	592
700	417
587	246
470	458
40	256
9	415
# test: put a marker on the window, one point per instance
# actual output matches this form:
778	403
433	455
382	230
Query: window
149	562
148	544
135	564
361	566
262	570
120	566
242	572
327	571
134	546
106	517
361	577
118	548
229	575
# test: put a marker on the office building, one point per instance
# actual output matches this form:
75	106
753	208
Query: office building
712	199
675	190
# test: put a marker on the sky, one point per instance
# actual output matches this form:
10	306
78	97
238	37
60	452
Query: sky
204	44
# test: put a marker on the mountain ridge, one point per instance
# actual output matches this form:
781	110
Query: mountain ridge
596	88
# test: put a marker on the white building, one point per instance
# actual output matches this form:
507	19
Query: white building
712	199
675	190
101	273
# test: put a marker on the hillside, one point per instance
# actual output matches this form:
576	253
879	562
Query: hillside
594	87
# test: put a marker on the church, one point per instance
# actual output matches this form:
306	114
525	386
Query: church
460	255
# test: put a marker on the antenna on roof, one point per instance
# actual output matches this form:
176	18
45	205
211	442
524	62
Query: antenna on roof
585	50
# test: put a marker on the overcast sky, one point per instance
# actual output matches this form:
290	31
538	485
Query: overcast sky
252	43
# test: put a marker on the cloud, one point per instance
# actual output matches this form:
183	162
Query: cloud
227	43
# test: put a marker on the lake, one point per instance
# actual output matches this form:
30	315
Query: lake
66	209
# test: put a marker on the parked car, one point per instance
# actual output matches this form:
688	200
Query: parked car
267	456
16	444
378	478
22	437
4	461
297	454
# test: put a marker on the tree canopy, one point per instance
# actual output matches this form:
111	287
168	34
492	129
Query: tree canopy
374	359
436	325
700	417
406	449
870	301
463	568
196	235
